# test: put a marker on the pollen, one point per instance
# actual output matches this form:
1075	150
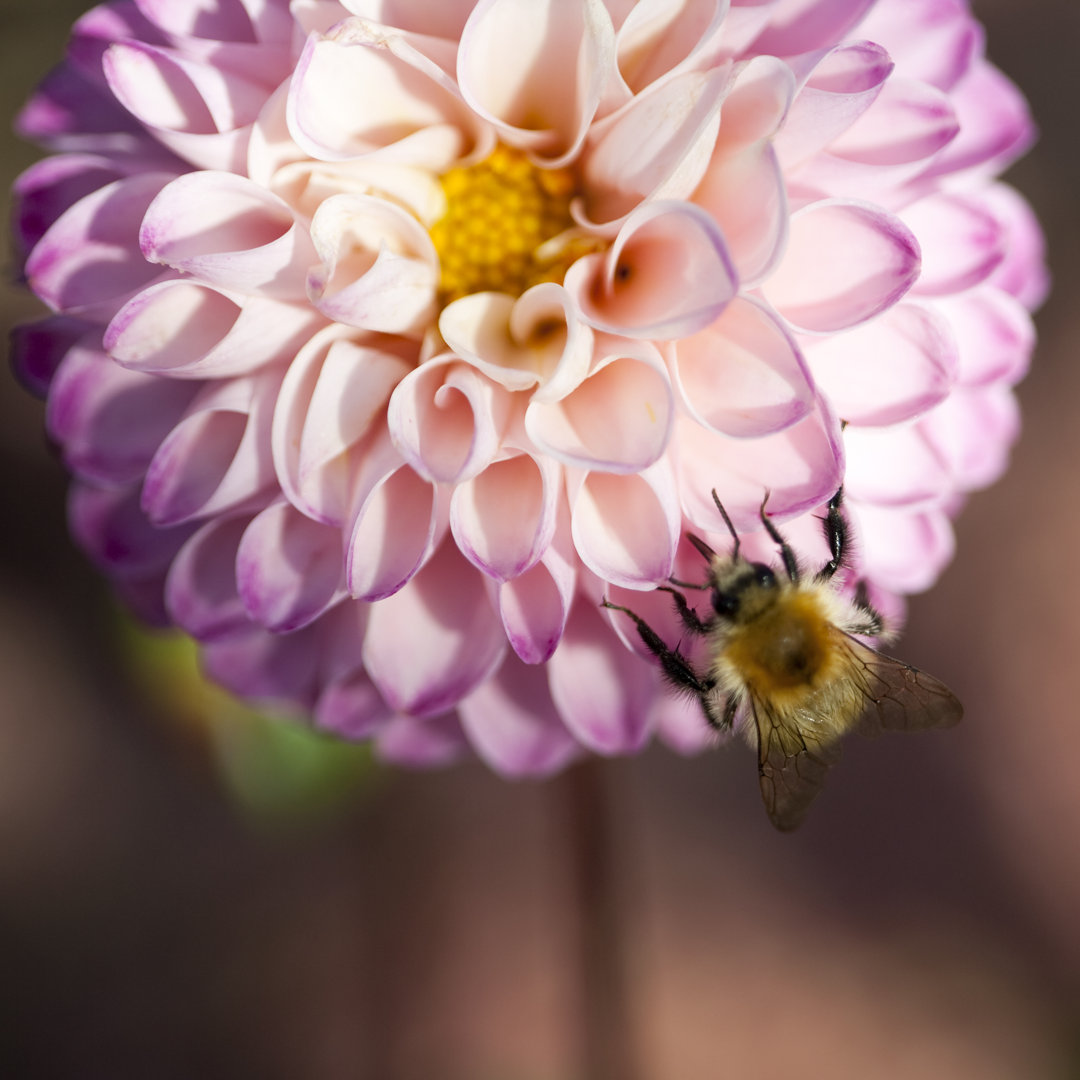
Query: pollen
503	230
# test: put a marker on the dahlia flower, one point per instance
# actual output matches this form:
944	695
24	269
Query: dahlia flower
389	337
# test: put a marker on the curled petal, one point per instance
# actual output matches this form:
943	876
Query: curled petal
846	262
89	258
110	526
334	392
513	724
972	433
230	232
38	348
894	466
799	26
934	41
657	147
994	335
962	243
191	331
618	420
200	590
352	708
799	467
395	527
744	375
903	550
442	620
667	274
289	569
602	691
278	669
535	605
537	339
108	420
419	744
890	369
412	112
840	87
378	269
503	519
217	457
657	38
535	70
447	419
626	527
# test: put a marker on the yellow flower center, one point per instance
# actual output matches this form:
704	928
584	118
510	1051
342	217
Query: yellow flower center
500	216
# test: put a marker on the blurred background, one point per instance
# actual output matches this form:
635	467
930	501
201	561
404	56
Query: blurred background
176	906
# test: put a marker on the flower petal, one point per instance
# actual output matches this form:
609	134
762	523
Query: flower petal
625	527
352	708
799	26
422	743
200	590
229	231
190	331
503	519
667	274
275	669
513	725
289	569
903	550
447	420
378	269
846	262
602	691
618	420
744	375
894	466
994	335
535	69
888	370
962	243
442	620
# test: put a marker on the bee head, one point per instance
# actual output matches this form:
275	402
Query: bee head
741	590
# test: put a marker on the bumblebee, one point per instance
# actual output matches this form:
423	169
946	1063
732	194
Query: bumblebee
784	652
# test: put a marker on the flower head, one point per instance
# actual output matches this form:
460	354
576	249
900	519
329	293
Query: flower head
389	337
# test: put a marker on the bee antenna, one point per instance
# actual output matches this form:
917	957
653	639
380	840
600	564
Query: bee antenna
727	522
707	552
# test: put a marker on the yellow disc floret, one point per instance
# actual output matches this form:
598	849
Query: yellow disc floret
499	214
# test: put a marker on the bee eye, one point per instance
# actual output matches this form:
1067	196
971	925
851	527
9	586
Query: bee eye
724	603
764	576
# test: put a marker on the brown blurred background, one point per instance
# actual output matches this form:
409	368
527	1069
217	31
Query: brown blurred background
925	923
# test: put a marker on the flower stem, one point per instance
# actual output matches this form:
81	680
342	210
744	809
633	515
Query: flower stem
606	1050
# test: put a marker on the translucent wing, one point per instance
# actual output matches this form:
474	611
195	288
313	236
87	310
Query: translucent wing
793	758
899	697
798	746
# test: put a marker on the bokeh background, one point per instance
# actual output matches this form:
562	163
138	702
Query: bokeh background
157	921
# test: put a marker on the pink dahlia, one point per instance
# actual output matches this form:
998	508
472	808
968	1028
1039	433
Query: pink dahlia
389	337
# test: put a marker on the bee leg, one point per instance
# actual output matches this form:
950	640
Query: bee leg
790	563
836	536
873	625
676	668
688	615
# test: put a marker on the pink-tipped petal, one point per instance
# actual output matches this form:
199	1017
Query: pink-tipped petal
228	231
667	274
894	466
602	691
444	622
625	528
352	708
513	724
889	370
961	243
273	669
503	519
618	420
289	569
200	590
994	335
903	550
799	26
422	743
744	375
191	331
845	263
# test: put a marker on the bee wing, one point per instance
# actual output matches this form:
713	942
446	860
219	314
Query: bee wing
898	696
792	762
